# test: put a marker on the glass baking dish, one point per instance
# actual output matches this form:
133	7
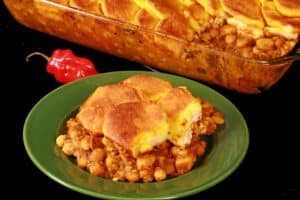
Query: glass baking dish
155	49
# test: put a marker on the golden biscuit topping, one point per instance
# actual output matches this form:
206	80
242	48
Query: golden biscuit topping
184	18
289	8
208	22
213	7
248	13
288	27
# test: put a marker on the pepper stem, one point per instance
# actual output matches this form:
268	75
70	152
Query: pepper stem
34	54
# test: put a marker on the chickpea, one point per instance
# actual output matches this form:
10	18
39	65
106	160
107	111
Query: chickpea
246	52
109	145
199	148
184	164
119	176
112	163
133	176
278	42
176	151
98	155
82	161
145	161
72	133
230	39
96	169
202	130
166	163
60	140
159	174
146	175
68	148
85	142
218	118
109	161
242	42
207	108
264	43
228	29
256	50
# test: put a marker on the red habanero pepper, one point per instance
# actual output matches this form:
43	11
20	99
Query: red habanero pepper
66	66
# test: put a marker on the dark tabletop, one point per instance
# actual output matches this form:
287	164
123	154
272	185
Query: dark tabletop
269	169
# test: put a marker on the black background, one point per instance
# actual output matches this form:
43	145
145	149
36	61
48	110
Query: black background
269	170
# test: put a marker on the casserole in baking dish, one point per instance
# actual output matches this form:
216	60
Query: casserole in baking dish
214	41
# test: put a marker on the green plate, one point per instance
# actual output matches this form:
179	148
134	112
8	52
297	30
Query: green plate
228	146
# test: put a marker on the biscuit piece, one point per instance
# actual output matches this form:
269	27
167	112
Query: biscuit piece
279	24
182	110
144	19
290	8
92	111
123	10
248	12
136	126
150	88
213	7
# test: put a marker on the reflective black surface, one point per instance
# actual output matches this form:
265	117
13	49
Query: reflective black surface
269	170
